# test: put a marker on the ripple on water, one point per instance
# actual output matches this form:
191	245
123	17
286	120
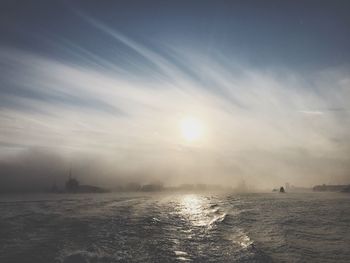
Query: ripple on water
251	228
181	255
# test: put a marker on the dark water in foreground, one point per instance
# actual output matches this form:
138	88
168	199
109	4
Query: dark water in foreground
313	227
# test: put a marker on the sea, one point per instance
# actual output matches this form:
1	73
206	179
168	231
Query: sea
175	227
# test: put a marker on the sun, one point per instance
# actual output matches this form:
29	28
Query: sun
191	129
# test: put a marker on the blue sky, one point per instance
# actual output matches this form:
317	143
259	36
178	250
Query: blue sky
303	35
269	81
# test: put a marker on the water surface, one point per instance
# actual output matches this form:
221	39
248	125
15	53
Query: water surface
168	227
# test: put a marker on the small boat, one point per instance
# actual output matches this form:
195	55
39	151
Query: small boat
282	189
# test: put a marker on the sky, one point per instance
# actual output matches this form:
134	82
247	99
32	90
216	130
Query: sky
106	87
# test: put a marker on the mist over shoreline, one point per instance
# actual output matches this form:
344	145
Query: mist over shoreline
37	171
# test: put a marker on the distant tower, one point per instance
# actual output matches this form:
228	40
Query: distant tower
72	185
287	186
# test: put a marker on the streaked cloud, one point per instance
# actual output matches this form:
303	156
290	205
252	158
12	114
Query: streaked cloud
312	112
255	120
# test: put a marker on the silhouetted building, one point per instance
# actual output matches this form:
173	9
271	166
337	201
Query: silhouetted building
329	188
91	189
299	189
72	185
152	187
133	187
287	187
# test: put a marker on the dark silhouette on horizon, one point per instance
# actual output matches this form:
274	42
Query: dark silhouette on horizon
72	184
331	188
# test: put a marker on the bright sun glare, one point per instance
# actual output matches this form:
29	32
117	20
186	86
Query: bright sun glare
191	128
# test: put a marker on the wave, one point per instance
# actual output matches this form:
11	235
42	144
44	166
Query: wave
217	219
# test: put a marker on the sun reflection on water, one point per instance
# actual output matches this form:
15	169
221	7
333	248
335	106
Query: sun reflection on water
195	209
191	204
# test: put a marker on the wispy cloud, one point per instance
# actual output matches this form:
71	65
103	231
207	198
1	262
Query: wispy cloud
312	112
256	123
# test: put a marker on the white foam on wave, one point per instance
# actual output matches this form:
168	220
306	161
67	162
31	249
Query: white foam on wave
155	220
184	259
217	219
181	255
243	240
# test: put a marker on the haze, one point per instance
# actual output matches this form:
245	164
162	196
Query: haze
176	92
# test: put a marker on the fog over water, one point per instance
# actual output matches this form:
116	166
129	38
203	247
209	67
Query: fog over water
93	93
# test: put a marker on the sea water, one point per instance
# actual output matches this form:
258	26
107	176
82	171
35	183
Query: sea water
175	227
